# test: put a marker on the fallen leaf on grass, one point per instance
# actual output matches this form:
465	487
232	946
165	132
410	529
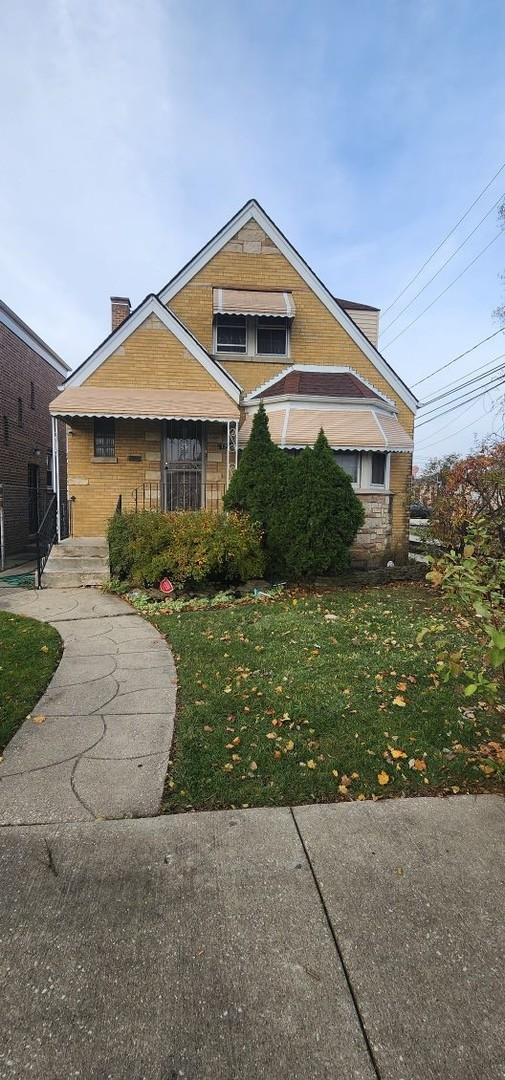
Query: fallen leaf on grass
418	764
289	745
396	753
228	767
400	701
311	764
488	770
343	790
253	766
44	648
383	777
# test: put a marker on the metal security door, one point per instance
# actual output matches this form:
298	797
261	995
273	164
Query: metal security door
183	465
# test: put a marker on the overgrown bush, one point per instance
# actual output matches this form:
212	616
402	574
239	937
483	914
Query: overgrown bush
473	580
188	548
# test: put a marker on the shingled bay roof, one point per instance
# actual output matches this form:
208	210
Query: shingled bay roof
342	384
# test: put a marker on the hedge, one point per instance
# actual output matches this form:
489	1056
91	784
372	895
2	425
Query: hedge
188	548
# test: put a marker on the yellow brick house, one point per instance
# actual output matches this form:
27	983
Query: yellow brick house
158	412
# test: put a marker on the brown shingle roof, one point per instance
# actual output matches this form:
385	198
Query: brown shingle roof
323	383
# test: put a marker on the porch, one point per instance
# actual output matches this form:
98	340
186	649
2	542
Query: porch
180	459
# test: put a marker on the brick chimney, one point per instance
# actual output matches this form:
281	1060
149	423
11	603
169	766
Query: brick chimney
120	310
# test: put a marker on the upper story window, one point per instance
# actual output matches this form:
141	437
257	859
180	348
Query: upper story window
231	333
272	336
253	335
104	437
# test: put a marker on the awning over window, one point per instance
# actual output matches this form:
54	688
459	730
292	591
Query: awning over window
345	429
253	302
130	403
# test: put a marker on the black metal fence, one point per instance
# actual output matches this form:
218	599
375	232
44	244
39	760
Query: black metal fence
182	490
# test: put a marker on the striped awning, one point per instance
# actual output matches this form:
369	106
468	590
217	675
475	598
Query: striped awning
253	302
130	403
345	429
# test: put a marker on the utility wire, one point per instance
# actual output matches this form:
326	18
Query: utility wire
459	357
442	242
447	411
444	264
492	382
449	286
461	386
452	434
462	378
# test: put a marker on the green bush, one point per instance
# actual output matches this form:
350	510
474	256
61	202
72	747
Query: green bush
318	522
188	548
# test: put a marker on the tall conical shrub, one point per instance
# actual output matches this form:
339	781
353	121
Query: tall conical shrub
258	485
321	517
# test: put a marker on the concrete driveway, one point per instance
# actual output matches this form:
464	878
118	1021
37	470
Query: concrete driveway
345	942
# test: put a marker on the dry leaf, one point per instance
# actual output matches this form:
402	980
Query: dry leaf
271	735
277	754
39	719
289	745
360	797
44	648
400	701
227	690
401	686
383	777
418	763
343	790
253	766
311	764
228	767
334	773
396	753
488	770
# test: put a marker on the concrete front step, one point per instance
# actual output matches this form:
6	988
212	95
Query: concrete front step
75	563
87	547
58	579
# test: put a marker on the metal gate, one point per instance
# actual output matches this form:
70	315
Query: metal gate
183	468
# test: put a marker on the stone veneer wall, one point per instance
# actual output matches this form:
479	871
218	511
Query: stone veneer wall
372	545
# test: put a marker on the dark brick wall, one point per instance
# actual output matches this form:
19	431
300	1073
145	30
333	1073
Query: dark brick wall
20	366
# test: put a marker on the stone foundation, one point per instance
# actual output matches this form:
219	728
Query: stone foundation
372	545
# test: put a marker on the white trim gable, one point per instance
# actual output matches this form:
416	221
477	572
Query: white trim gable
253	211
320	369
35	343
152	306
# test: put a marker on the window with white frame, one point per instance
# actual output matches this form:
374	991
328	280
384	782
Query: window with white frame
252	335
271	336
378	470
231	333
349	461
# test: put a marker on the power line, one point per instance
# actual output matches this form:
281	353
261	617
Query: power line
484	371
453	434
467	382
464	402
449	286
444	264
496	380
459	357
429	441
442	242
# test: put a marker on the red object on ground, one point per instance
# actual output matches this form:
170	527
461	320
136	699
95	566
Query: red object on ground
166	585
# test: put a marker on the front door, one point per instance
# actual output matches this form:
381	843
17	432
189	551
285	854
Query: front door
183	465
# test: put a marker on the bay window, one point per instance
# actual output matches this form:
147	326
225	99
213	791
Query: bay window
349	460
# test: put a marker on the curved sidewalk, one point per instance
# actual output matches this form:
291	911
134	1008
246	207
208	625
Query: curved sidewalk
102	749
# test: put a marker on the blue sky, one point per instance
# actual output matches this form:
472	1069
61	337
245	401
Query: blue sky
132	131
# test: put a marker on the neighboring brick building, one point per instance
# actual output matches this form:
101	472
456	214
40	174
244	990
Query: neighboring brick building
159	409
30	374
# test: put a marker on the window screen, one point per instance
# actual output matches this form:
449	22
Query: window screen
105	438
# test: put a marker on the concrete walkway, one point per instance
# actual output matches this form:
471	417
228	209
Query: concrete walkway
360	941
103	748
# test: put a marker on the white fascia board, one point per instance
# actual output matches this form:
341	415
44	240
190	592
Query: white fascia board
252	210
33	343
152	306
313	401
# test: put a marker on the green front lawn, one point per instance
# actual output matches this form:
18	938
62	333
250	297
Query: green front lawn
322	697
29	653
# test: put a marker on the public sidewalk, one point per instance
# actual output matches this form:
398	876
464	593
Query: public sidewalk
343	942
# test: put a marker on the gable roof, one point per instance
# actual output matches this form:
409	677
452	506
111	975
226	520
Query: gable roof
24	332
344	384
152	306
252	209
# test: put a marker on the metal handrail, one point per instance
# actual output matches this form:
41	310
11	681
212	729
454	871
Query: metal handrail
45	537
